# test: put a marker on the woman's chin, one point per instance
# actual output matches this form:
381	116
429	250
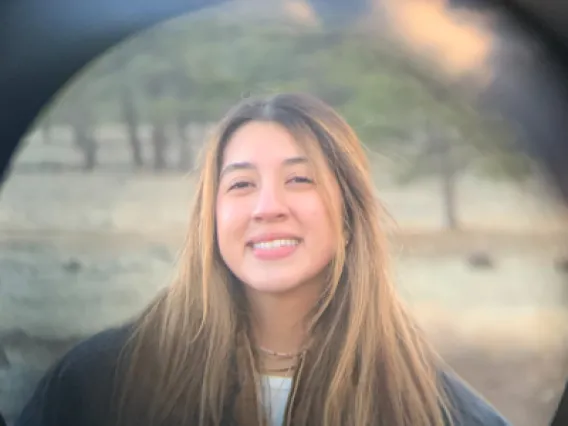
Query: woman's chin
285	286
274	288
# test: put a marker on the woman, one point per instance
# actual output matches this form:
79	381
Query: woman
283	312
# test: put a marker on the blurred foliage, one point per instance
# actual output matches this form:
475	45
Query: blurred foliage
192	71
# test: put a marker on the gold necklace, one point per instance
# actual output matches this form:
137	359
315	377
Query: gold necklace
287	368
279	354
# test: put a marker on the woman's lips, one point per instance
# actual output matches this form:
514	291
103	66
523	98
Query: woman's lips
275	249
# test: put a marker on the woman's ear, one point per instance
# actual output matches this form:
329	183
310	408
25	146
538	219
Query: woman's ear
346	236
346	232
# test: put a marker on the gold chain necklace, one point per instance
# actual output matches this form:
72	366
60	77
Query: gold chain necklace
279	354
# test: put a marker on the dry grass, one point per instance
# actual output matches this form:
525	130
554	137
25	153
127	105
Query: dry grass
519	366
440	243
525	386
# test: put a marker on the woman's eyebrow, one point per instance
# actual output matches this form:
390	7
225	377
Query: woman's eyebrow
295	160
244	165
247	165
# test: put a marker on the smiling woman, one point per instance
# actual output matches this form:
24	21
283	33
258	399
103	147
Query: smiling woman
283	311
271	210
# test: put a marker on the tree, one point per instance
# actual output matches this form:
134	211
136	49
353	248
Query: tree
193	70
124	76
446	151
152	67
130	117
446	134
75	107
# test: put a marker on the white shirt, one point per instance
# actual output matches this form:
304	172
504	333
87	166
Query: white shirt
275	397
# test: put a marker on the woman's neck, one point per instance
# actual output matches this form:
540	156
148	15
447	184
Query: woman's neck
279	320
278	323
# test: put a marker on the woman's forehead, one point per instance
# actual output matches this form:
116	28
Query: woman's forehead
262	143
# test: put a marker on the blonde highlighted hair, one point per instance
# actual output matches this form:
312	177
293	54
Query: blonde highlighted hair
190	358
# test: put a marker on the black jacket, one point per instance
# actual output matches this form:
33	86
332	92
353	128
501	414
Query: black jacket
77	390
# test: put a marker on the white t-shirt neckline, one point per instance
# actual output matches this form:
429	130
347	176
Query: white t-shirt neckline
276	391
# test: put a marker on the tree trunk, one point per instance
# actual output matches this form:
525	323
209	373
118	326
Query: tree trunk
185	158
450	202
90	153
155	89
448	177
86	142
159	143
130	118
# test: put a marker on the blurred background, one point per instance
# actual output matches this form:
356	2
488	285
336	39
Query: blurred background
95	207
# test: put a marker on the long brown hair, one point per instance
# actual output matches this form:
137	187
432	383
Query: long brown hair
190	358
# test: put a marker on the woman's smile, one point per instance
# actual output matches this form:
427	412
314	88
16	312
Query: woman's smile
275	249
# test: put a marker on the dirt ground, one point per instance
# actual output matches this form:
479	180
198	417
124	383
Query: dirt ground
519	365
524	386
552	242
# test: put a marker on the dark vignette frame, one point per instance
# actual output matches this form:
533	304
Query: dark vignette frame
43	43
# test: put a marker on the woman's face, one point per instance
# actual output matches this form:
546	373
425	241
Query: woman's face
274	231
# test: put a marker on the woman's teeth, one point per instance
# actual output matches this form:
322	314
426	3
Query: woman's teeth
268	245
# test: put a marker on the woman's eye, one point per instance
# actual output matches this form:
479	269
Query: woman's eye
301	179
239	185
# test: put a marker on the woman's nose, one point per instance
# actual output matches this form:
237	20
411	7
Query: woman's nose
270	204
